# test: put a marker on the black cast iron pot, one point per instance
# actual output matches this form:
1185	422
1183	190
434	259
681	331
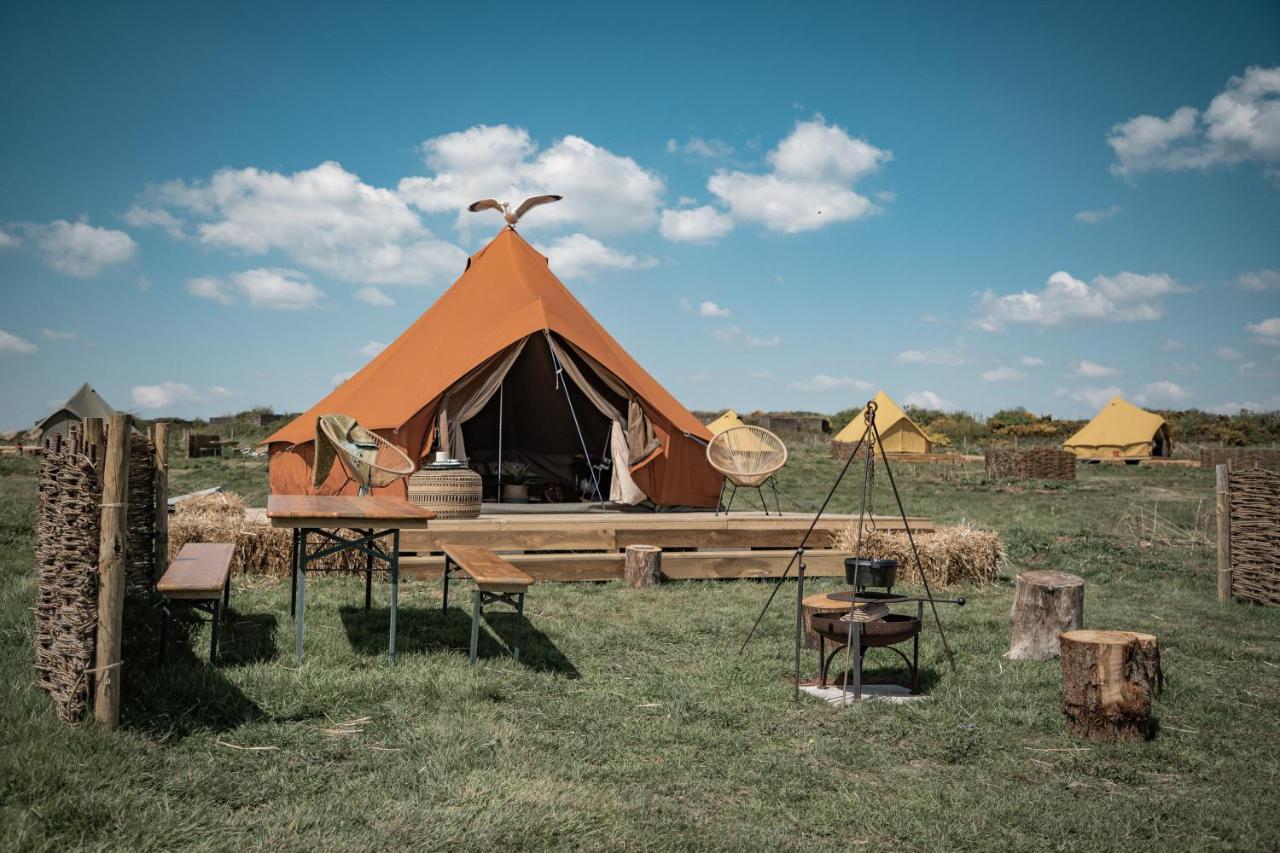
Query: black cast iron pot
870	572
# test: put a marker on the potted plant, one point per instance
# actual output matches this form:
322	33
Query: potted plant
516	477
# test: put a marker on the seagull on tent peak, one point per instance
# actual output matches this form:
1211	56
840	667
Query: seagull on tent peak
505	207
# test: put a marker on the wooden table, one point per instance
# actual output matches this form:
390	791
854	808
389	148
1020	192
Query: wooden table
372	518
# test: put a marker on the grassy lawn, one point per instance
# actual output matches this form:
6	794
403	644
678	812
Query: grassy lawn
631	722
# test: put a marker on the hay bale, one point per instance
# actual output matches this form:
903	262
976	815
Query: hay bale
951	554
260	548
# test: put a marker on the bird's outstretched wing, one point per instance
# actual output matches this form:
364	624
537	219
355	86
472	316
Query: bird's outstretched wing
485	204
534	202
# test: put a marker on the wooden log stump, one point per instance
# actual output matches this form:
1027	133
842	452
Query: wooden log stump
642	566
1109	679
1044	605
819	603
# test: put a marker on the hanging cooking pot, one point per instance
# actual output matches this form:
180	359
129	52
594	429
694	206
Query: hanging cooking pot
865	571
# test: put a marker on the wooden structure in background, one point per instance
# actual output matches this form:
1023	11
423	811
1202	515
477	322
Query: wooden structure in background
1248	508
200	445
590	546
1239	457
1045	604
1036	463
1109	679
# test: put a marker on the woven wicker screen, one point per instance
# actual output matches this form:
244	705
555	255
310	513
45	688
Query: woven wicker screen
69	498
140	572
1237	457
1255	535
1038	463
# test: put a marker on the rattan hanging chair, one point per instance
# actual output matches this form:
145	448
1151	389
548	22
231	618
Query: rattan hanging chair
372	463
748	457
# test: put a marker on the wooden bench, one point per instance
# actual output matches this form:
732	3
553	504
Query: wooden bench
199	577
495	579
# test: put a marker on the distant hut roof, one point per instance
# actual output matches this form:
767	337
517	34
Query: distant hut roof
84	403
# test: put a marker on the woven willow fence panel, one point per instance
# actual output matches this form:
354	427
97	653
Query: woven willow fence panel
1240	458
69	497
1037	463
1255	535
140	572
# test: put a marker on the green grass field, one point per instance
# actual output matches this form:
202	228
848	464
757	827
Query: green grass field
631	722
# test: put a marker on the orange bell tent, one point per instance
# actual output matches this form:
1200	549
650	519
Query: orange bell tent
508	366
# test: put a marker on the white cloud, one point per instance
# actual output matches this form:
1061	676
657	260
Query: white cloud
707	308
1093	217
1242	123
760	374
211	288
1170	345
221	392
822	382
8	241
1268	405
697	146
11	344
375	297
155	217
1259	280
698	225
926	400
603	192
1227	353
338	378
371	349
1122	298
279	289
78	248
1003	374
939	356
1093	370
1095	396
164	395
1031	361
1267	332
580	256
56	335
726	334
811	182
1163	392
325	219
765	342
886	196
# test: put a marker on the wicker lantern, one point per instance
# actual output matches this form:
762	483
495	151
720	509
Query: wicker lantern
448	488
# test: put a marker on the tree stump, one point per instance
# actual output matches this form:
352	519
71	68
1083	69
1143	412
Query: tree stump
1109	679
819	603
1044	605
642	565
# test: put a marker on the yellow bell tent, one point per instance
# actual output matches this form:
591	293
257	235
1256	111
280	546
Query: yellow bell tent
898	433
746	441
1121	431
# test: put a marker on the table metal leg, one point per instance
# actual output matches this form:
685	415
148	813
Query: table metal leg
164	631
857	662
515	651
300	608
444	608
213	633
800	569
293	576
475	626
368	574
395	593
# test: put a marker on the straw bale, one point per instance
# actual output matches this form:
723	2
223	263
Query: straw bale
950	554
260	548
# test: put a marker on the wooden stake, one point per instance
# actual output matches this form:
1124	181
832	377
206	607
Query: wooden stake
1222	498
111	568
94	443
642	565
162	497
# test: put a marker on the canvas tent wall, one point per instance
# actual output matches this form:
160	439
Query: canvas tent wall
1121	431
898	433
499	348
84	403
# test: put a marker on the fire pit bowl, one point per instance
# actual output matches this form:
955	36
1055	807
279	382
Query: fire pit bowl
870	572
894	628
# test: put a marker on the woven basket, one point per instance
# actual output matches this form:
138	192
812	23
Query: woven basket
449	492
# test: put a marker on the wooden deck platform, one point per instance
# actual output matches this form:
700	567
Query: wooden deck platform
589	546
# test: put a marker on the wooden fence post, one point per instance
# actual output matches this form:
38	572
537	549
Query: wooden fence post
111	569
162	497
1222	499
93	438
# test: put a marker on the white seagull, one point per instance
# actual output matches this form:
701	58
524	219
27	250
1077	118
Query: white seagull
505	207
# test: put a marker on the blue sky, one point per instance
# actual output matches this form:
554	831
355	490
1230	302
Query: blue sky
782	206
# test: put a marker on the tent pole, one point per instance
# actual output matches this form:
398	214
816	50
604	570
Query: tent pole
501	401
560	380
